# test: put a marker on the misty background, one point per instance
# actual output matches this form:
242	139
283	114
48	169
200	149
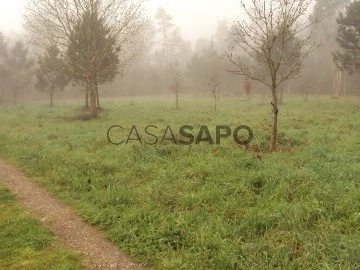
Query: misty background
198	38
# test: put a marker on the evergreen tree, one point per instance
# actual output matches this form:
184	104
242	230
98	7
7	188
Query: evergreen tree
20	68
348	58
96	37
165	27
51	74
92	56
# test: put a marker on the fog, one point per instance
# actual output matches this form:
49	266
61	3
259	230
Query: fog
198	38
201	18
197	21
194	134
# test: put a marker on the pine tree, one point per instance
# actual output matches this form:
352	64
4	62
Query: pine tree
51	74
348	57
165	26
92	56
20	68
97	38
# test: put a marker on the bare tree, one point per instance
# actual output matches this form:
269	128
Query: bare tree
65	22
214	69
271	45
248	89
215	89
177	83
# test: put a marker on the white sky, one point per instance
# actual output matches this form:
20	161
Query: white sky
196	18
10	15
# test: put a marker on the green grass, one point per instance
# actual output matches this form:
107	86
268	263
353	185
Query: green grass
201	206
25	244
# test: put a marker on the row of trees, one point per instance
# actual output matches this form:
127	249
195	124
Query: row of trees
16	69
90	42
87	41
195	63
197	69
333	79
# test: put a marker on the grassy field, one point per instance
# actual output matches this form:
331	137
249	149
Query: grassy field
204	206
25	244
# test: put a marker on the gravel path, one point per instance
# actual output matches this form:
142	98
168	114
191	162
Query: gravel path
98	252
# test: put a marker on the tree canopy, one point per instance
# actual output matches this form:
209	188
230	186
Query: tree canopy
51	73
94	36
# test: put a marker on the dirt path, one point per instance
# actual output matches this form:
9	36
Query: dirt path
98	252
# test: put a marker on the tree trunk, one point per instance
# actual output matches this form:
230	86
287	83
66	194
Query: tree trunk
2	99
275	112
92	94
177	100
15	98
337	82
215	108
86	98
51	99
344	85
97	94
340	79
280	99
334	86
93	107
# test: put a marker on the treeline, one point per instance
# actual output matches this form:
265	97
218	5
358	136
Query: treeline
96	60
320	75
16	70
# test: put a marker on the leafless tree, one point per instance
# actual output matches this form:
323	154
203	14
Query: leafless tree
214	68
64	23
248	89
215	89
271	45
177	82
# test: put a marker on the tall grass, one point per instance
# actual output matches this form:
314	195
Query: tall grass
204	206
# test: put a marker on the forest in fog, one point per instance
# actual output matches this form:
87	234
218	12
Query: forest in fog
135	141
159	55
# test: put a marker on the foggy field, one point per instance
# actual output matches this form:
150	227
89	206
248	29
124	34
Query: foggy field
204	206
182	135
